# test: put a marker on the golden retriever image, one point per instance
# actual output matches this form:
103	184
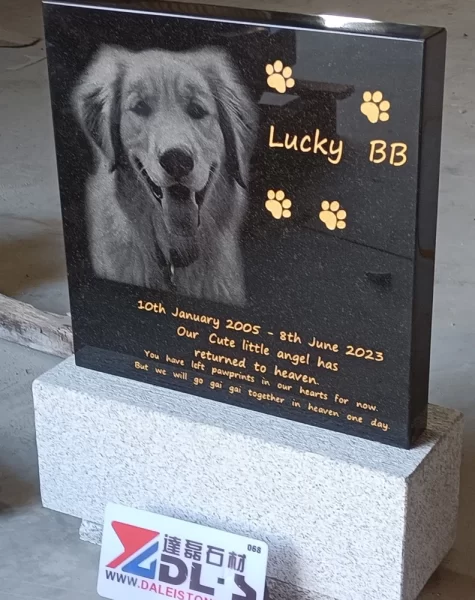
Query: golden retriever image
173	134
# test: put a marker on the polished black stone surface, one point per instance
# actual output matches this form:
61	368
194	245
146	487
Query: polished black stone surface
275	177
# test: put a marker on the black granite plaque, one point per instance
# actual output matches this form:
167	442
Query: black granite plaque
249	204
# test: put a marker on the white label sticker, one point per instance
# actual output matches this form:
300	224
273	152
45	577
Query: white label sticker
145	555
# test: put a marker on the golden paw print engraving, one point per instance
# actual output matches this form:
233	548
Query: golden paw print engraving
280	77
375	108
278	205
332	215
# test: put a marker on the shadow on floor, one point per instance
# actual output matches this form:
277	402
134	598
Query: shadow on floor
30	258
16	492
445	584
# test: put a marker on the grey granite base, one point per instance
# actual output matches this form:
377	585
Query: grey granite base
90	532
344	518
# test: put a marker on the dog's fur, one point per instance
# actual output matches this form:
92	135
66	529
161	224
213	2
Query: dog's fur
145	226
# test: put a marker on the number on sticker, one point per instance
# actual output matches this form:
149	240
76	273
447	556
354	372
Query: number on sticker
364	353
245	327
251	548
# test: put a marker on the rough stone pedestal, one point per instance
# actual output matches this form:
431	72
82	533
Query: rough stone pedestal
344	518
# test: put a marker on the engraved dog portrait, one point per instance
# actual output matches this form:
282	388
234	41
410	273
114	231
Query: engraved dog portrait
172	135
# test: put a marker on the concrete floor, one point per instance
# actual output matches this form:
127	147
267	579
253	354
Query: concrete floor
41	557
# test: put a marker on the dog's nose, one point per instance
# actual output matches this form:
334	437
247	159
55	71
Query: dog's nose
177	162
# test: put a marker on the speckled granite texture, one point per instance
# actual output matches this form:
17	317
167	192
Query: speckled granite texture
344	518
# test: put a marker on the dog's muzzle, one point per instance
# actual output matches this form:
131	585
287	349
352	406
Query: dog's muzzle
181	212
157	191
152	186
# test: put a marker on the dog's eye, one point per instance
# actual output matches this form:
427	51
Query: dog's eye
196	111
141	108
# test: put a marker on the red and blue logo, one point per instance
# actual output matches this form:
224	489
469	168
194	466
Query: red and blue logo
134	539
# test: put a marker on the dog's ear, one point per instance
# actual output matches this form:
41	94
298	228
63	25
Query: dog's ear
237	113
97	101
